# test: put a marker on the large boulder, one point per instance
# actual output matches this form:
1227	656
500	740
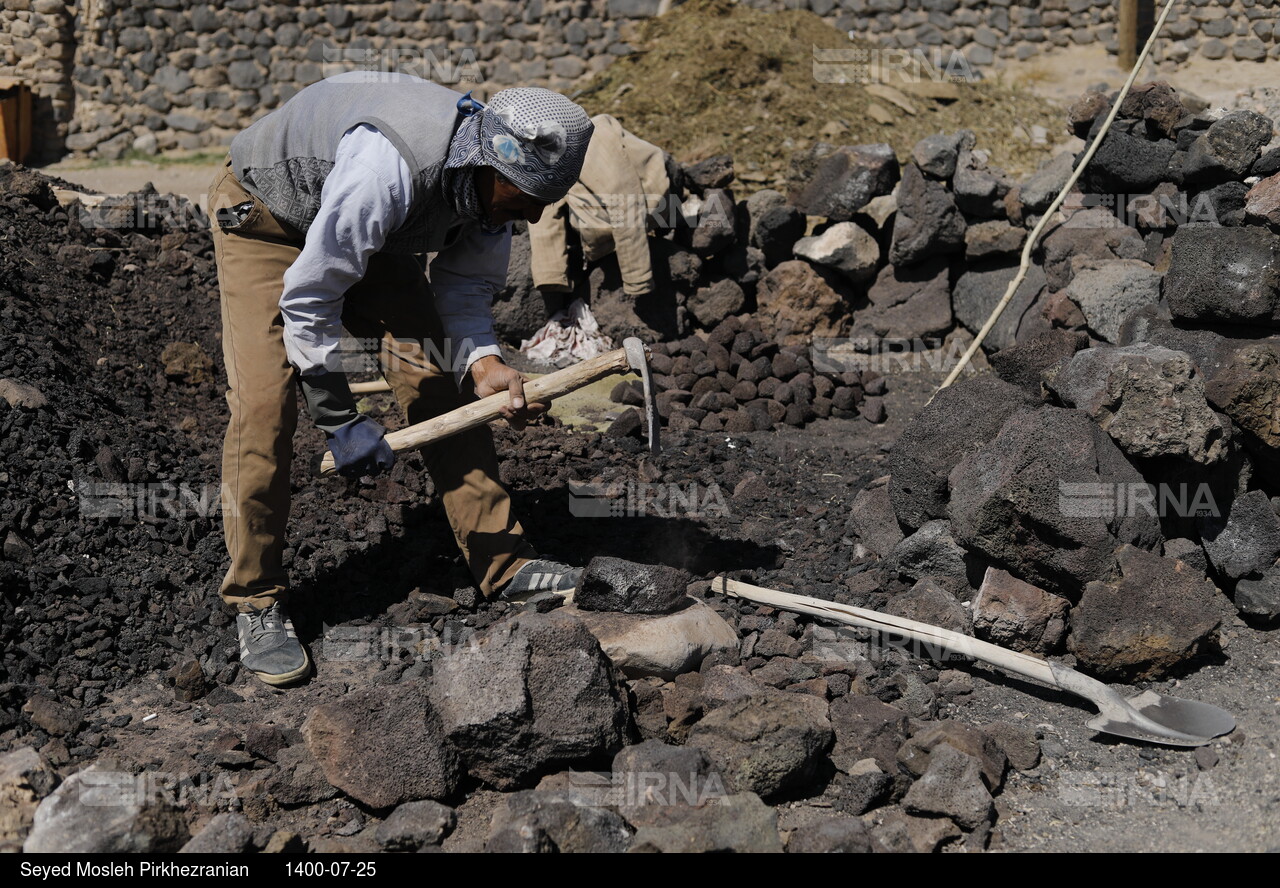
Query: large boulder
1149	399
928	221
384	745
959	420
535	690
1156	614
837	182
1041	499
1224	275
771	745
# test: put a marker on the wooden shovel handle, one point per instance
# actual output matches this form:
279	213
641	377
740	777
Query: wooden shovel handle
1026	665
477	413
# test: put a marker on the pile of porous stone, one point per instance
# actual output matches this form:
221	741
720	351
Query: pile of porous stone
1116	470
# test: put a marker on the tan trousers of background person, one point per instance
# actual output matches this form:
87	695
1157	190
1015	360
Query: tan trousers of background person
393	305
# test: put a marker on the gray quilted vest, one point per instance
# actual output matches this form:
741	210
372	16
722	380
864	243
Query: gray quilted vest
284	158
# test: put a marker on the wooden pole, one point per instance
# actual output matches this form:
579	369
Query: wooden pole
1127	33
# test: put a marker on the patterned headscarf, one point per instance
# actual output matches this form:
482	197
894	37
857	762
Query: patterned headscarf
535	138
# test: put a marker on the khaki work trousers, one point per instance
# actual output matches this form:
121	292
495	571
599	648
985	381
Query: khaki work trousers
393	306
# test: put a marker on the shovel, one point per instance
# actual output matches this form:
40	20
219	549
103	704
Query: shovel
1149	716
632	356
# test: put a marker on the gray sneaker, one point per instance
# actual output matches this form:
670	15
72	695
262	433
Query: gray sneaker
541	575
269	646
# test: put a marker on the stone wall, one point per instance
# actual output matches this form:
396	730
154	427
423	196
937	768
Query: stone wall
149	75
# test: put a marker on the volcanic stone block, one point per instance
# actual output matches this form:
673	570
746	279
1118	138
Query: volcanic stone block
653	776
908	303
932	553
838	182
845	248
844	835
799	301
1035	500
101	811
1018	615
1228	148
739	823
1026	363
1247	540
712	304
915	754
1093	233
873	519
1230	275
712	222
714	172
1044	184
383	745
1156	615
1259	599
959	420
548	821
1262	202
775	225
979	191
536	689
1148	399
928	602
227	833
665	645
770	745
414	825
952	787
1109	291
928	221
1158	104
936	155
1126	164
980	289
988	240
615	584
867	728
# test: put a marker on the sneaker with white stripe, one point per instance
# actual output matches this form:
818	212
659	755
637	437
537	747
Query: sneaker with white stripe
541	575
269	646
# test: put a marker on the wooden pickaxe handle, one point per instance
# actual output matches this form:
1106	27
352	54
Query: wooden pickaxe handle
477	413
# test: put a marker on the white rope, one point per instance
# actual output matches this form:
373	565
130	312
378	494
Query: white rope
1053	208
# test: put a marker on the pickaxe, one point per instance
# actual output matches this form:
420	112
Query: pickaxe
632	356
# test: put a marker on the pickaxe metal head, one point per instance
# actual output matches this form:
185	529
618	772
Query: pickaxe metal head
638	358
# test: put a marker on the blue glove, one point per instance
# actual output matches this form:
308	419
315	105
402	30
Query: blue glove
359	448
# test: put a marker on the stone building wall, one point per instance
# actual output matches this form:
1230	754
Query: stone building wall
150	75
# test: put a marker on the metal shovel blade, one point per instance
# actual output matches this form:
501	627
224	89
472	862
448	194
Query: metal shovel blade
1156	718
